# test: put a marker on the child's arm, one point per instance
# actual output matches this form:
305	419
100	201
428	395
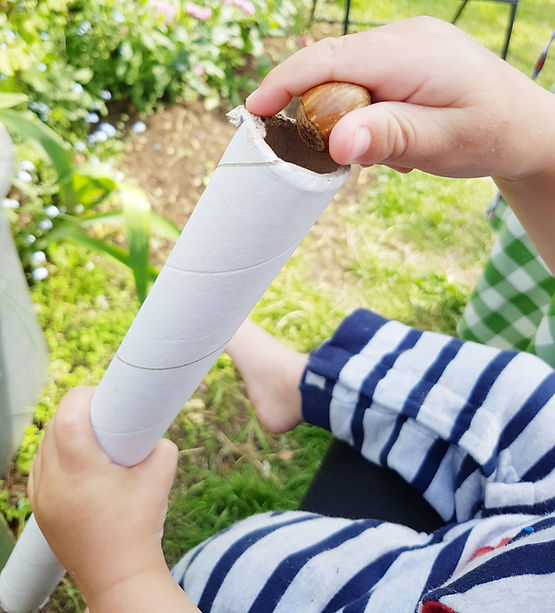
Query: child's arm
103	521
441	103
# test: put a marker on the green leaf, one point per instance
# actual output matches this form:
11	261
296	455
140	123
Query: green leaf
74	233
113	218
100	246
90	189
164	227
159	225
30	128
7	100
136	213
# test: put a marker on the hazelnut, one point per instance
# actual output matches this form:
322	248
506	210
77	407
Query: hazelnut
321	107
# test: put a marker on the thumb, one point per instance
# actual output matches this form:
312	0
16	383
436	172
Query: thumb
158	469
398	134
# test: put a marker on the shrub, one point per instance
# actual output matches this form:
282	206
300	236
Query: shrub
69	58
146	50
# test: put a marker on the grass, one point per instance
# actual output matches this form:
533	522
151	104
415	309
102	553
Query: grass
407	246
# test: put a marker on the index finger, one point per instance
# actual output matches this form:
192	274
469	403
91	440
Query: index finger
392	62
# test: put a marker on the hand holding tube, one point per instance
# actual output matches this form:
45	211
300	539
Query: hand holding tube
443	104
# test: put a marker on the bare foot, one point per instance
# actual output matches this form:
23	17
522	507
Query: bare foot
272	374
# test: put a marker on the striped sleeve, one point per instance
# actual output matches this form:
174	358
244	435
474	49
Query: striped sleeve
469	426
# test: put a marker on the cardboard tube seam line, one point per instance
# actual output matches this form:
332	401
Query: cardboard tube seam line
217	351
130	433
248	164
230	270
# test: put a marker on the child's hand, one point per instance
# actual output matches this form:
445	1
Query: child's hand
441	102
103	521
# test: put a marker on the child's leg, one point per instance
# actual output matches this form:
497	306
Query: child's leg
272	374
346	484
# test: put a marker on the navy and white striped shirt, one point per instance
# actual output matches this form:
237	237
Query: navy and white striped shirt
471	427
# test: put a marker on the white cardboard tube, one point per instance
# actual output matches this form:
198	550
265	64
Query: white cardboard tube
253	214
31	572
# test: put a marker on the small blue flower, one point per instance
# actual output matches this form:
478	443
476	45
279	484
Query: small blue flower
79	146
44	36
10	203
108	129
11	35
100	136
83	28
24	176
30	239
118	17
45	224
27	165
138	127
94	160
91	139
77	88
39	107
3	45
42	67
52	211
92	118
105	94
40	273
38	257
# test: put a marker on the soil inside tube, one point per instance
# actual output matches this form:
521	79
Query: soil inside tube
283	138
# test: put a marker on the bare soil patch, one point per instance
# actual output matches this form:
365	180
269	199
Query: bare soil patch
174	158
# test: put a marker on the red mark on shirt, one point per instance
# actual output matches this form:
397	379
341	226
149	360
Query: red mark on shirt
436	607
483	550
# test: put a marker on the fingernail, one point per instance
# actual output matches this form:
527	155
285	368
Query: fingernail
251	97
360	145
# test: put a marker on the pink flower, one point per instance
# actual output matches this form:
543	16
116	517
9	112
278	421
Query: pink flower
202	13
245	5
167	9
199	70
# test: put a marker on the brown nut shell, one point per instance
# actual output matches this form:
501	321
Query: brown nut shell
321	107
